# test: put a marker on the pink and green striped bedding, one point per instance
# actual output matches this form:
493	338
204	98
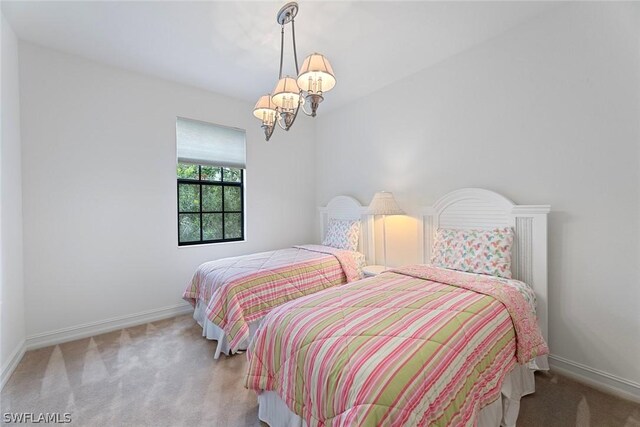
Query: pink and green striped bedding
241	290
416	346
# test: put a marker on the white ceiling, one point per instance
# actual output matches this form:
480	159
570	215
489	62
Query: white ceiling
233	47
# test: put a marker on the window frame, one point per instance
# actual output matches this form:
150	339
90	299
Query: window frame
222	184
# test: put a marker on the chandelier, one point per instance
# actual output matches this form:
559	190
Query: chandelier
304	92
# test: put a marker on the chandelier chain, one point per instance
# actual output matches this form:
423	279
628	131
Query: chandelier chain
281	50
295	51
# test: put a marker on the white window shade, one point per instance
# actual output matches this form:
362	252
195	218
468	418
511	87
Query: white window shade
204	143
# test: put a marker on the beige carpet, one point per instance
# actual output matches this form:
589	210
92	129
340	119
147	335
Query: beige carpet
163	374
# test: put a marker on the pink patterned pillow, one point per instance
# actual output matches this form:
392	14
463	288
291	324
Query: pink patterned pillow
343	234
474	251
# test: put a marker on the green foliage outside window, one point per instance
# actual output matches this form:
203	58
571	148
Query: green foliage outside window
187	171
210	204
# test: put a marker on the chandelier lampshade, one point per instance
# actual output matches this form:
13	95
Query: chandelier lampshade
265	110
286	94
316	74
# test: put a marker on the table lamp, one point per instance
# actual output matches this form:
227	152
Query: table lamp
384	204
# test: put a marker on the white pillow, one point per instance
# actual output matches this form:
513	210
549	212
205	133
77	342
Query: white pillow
343	234
474	251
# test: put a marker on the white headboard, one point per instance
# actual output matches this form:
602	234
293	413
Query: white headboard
345	207
478	208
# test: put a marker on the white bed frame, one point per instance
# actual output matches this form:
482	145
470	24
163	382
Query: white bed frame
484	209
345	207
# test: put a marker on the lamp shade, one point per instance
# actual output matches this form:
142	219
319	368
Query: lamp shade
265	110
383	203
286	94
316	74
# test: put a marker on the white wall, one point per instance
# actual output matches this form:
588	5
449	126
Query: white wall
545	113
12	330
100	191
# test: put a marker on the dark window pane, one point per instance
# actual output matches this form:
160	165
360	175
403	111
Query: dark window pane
211	226
189	227
189	197
232	226
211	198
232	199
231	175
187	171
211	173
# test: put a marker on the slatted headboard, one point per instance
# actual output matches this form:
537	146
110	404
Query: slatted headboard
479	208
345	207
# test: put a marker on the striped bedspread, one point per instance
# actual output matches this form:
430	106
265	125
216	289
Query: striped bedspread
240	290
415	346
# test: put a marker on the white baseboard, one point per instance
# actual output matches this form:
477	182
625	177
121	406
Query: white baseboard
103	326
10	365
596	378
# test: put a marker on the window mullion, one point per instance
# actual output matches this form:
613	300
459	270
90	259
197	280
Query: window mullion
222	215
201	219
242	203
178	210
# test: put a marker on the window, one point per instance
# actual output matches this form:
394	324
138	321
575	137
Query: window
210	204
210	176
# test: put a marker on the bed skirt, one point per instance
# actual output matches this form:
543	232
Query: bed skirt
211	331
502	412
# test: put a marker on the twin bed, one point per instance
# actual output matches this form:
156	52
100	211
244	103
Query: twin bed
230	296
433	344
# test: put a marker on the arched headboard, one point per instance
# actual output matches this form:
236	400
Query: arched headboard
345	207
479	208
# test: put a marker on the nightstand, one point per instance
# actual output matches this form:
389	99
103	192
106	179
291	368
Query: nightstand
373	270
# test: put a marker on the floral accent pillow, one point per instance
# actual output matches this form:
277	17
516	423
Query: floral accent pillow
474	251
343	234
